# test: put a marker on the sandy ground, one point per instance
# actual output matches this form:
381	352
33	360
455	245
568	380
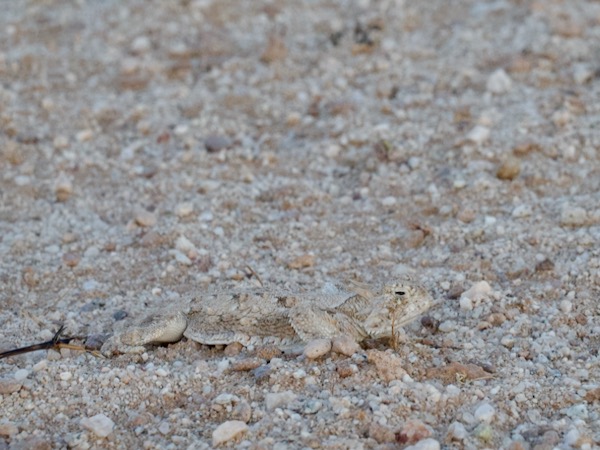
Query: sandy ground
154	149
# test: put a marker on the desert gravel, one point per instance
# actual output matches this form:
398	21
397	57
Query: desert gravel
152	149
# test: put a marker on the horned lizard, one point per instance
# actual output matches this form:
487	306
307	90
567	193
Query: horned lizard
260	316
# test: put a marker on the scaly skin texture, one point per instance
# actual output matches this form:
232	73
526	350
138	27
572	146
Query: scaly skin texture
263	316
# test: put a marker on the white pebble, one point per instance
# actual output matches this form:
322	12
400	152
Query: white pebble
425	444
39	366
181	258
299	374
449	325
332	151
180	130
60	142
227	431
141	44
479	290
566	306
144	218
226	399
84	135
161	372
466	304
164	428
184	209
388	201
508	341
522	211
582	73
278	399
573	216
21	374
484	413
99	424
317	348
63	188
65	376
572	437
456	432
578	411
499	82
184	245
479	134
414	162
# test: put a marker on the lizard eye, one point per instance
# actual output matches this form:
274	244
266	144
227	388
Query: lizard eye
400	293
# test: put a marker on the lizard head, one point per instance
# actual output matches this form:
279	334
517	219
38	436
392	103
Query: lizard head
399	304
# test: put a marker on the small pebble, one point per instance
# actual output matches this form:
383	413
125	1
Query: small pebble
425	444
302	262
145	218
382	433
499	82
119	314
456	432
299	374
8	429
161	372
247	364
479	290
141	44
279	399
479	134
413	431
8	386
484	432
582	73
227	431
522	211
233	349
99	424
389	366
466	215
345	345
84	135
65	376
60	142
63	188
312	406
572	437
41	365
578	411
484	413
242	411
388	201
573	216
449	325
21	374
509	169
215	143
268	352
181	258
566	306
164	428
71	259
466	304
275	51
184	245
317	348
184	209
